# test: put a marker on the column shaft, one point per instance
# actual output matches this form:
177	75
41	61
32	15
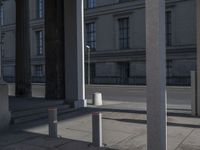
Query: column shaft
23	62
74	53
54	49
198	54
156	75
1	48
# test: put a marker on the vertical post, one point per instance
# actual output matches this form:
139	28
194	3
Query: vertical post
74	53
52	113
193	93
54	49
97	129
156	75
5	115
88	50
198	54
1	55
1	36
23	61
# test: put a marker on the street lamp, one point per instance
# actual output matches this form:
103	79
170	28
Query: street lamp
88	72
1	54
2	35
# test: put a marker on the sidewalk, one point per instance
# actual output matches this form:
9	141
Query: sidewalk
31	141
123	129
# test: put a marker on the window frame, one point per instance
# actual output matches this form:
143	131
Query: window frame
169	28
91	4
39	34
123	32
1	16
91	34
38	72
40	9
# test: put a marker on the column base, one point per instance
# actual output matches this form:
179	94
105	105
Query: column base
5	115
80	103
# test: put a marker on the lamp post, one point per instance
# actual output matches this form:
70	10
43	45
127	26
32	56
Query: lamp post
1	55
88	71
1	42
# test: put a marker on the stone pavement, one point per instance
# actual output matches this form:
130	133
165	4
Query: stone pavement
30	141
123	129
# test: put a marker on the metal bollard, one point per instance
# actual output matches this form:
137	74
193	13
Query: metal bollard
97	99
194	93
97	129
52	113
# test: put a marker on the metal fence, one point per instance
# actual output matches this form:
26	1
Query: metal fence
35	79
136	80
140	80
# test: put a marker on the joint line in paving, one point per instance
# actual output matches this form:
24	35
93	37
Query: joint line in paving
184	139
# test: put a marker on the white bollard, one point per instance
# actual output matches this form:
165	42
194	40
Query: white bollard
97	129
52	113
97	99
194	93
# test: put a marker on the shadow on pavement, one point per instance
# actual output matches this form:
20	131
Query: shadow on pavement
31	141
139	121
87	111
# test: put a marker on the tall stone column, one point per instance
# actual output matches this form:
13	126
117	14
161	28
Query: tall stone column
4	101
74	53
1	47
23	61
54	49
156	75
198	54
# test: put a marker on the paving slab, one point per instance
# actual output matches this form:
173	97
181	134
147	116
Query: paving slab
46	142
79	146
80	124
176	135
192	122
75	134
188	147
15	137
24	147
123	129
132	143
192	141
111	137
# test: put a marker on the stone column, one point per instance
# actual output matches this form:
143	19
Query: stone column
23	62
198	54
4	101
54	49
74	53
156	75
1	48
4	107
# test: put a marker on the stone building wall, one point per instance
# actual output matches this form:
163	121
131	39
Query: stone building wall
110	64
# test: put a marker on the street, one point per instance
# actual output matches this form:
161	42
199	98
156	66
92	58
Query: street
179	97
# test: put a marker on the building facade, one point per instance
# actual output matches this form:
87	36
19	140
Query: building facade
115	39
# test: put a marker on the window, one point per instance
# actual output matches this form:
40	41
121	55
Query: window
91	3
39	43
124	68
39	71
168	28
1	16
91	35
169	68
40	8
2	36
123	33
